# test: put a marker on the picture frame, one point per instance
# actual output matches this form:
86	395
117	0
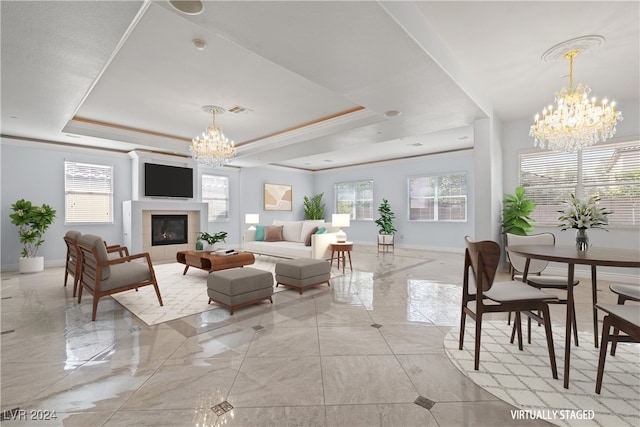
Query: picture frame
278	197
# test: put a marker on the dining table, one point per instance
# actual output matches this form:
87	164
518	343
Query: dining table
570	255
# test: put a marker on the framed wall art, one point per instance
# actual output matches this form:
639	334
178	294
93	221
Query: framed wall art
278	197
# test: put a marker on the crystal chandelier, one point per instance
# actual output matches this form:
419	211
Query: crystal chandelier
212	148
576	121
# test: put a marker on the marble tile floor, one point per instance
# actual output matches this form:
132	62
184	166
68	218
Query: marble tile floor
366	352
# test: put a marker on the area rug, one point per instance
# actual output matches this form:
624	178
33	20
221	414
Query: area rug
523	378
182	295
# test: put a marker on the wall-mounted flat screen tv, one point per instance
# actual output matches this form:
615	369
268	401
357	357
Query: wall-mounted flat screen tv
167	181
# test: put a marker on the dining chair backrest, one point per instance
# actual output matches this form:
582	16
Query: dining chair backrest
483	258
518	261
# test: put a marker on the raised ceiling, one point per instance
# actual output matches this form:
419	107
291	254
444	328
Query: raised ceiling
314	78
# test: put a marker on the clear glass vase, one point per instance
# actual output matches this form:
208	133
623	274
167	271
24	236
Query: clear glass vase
582	240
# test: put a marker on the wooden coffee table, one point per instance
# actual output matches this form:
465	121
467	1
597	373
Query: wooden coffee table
207	261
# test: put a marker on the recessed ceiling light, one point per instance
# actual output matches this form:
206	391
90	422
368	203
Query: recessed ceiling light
189	7
463	137
199	44
392	113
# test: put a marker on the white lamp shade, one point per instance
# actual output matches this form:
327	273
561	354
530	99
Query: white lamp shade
340	220
252	218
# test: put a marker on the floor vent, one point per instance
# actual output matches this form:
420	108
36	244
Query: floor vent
257	327
377	326
424	402
222	408
7	331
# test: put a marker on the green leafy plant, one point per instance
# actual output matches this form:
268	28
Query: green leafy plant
313	207
516	209
583	214
32	222
385	222
212	239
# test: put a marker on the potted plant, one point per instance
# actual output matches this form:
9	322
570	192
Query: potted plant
313	207
386	230
32	222
211	239
516	209
582	215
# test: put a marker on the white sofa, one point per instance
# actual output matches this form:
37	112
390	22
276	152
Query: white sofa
293	245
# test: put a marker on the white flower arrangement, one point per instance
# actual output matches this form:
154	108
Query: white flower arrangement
583	214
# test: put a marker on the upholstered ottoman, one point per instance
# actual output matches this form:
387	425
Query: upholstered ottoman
302	273
237	287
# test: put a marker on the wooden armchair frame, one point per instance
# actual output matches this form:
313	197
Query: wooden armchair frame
95	267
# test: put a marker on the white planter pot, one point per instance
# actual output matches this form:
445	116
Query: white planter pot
31	265
385	239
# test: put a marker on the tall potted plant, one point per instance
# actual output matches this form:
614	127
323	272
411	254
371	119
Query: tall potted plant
313	207
386	230
516	209
32	222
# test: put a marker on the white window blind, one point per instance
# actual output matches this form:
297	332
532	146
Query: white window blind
611	171
88	193
438	197
215	192
355	198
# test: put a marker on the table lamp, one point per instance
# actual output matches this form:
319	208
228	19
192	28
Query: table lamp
341	220
252	220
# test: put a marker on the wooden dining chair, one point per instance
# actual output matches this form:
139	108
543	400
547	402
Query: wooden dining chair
481	261
625	318
535	274
625	293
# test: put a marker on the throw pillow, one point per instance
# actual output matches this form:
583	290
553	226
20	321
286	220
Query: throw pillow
259	233
307	239
321	230
273	233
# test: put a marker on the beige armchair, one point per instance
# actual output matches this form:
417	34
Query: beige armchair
102	276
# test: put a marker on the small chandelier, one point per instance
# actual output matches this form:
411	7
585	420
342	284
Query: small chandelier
212	148
577	121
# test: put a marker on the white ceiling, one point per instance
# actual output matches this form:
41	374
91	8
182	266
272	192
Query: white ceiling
316	77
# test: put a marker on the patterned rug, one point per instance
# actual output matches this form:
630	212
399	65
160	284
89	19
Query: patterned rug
182	295
523	378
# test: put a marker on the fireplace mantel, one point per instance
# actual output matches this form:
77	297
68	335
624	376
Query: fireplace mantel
134	228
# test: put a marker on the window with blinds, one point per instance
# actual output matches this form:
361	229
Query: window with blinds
355	198
611	171
215	192
88	193
438	197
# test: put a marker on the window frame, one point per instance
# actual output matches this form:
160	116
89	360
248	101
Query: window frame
354	211
585	183
206	200
89	186
436	197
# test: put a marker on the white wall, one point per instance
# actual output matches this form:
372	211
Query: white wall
252	192
390	181
35	172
